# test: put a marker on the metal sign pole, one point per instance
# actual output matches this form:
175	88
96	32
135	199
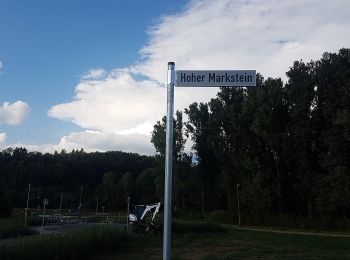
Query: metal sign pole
168	161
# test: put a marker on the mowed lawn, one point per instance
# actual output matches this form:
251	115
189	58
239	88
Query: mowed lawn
233	243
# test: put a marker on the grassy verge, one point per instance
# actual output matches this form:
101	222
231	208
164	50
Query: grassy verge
13	227
190	240
207	241
71	245
280	221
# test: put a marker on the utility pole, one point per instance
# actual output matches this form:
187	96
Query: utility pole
127	214
81	194
59	212
239	214
45	202
96	205
26	211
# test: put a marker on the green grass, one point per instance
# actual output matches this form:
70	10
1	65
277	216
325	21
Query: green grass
70	245
190	240
234	244
13	227
253	244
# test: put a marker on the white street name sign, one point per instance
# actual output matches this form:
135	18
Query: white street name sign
215	78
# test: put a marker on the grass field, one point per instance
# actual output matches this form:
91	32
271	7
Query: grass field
191	240
69	245
233	243
12	227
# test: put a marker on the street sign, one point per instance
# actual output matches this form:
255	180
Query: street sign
191	78
215	78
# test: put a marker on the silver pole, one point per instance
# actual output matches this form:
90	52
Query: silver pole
81	194
96	205
26	212
43	222
239	213
168	161
60	205
127	214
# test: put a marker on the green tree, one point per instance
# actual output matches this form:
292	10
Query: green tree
332	75
180	159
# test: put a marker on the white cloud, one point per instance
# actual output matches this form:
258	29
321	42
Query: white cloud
92	141
209	34
1	65
2	138
100	141
238	34
94	74
115	103
13	114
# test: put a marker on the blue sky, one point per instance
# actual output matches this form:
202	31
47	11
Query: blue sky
46	45
90	74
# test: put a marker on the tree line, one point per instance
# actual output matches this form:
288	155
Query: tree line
282	147
77	176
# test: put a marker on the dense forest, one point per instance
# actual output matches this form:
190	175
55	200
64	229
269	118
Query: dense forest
283	148
111	176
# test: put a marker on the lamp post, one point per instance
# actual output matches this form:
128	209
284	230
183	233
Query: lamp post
81	194
45	202
239	214
59	212
96	205
26	211
127	214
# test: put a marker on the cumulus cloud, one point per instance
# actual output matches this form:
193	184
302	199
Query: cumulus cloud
238	34
115	103
94	74
13	114
2	138
209	34
100	141
92	141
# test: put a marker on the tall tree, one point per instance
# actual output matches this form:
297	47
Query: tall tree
180	159
199	127
332	74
